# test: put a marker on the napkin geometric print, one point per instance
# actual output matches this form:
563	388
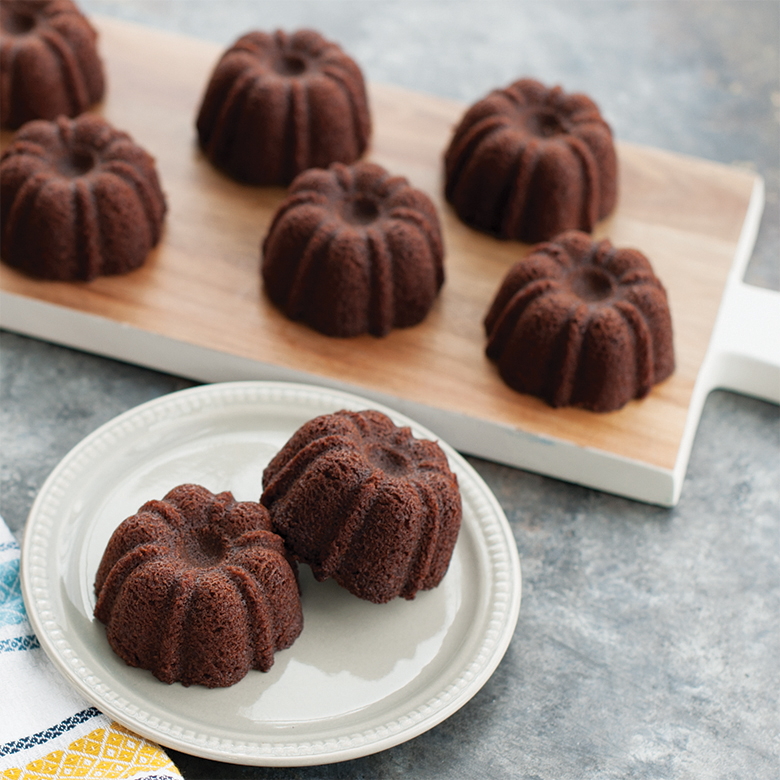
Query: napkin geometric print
46	729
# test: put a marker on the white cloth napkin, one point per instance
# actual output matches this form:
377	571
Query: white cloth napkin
46	729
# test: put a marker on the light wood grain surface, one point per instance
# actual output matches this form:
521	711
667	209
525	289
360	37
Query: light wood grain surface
202	284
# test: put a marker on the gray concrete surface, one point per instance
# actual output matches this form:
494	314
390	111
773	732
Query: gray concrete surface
648	644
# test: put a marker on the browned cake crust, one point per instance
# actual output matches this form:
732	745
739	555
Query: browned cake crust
49	65
364	502
580	323
280	103
198	589
79	199
528	162
354	250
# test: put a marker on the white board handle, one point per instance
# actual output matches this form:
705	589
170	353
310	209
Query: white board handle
745	343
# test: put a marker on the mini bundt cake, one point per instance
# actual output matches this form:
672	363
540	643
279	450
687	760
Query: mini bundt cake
354	250
80	200
278	104
197	589
580	323
364	502
528	162
49	64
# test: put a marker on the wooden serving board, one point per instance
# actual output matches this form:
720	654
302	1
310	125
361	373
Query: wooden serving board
197	307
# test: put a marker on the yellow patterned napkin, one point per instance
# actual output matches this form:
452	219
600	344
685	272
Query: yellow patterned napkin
46	729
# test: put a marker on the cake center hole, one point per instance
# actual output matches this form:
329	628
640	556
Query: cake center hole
77	164
18	22
292	65
394	464
547	124
207	549
361	210
592	284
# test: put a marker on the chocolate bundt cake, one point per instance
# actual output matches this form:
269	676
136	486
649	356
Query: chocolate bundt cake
528	162
80	200
354	250
49	64
580	323
278	104
197	589
364	502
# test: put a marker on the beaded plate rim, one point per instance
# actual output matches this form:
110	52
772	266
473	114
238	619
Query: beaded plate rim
485	522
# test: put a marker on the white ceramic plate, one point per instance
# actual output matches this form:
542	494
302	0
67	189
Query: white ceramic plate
359	679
